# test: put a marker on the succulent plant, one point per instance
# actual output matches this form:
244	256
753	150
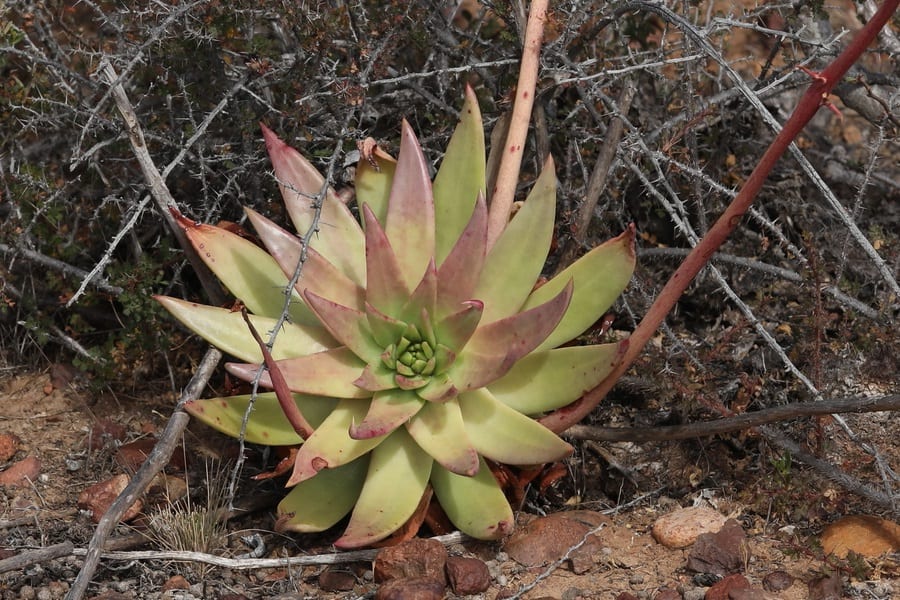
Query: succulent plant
414	353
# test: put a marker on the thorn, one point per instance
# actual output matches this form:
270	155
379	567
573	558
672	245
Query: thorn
827	104
813	74
824	101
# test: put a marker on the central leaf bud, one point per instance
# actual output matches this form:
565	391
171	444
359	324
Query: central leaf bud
412	355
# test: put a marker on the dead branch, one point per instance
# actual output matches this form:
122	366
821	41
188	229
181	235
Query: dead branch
157	459
34	557
64	268
501	197
261	563
735	423
158	187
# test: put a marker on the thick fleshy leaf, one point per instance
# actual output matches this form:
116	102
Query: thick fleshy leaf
376	377
458	275
551	379
423	297
267	425
396	479
373	183
247	270
388	410
600	276
460	179
330	445
317	273
439	430
474	504
514	263
410	217
329	373
226	330
340	238
318	503
496	347
386	288
456	329
439	388
386	330
349	326
505	435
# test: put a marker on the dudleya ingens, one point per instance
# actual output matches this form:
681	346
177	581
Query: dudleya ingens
414	351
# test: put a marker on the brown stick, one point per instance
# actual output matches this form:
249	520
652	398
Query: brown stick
158	188
735	423
808	106
157	459
504	191
33	557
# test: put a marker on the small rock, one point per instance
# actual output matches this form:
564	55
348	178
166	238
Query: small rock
722	553
752	593
105	432
26	592
20	474
176	582
547	539
680	528
335	580
667	594
694	593
9	445
99	496
726	586
863	534
467	576
414	558
830	587
132	455
575	593
411	588
778	581
626	596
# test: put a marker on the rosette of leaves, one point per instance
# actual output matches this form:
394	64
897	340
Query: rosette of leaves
414	353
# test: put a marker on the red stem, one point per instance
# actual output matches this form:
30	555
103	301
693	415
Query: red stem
809	104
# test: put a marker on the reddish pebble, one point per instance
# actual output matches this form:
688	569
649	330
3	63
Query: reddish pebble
414	558
22	473
467	575
337	580
413	588
724	588
176	582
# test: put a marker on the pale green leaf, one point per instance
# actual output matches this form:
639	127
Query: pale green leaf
514	264
439	430
409	224
476	505
396	479
600	276
248	271
267	424
330	445
226	330
550	379
460	178
319	503
505	435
